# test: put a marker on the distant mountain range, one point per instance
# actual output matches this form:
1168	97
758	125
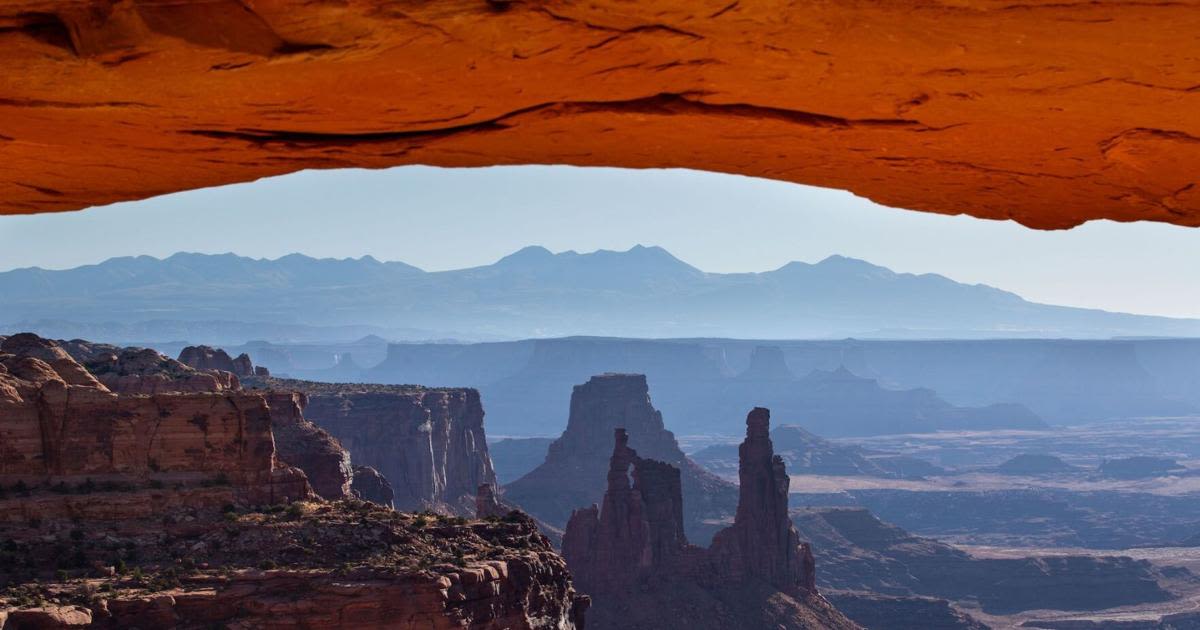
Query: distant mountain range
642	292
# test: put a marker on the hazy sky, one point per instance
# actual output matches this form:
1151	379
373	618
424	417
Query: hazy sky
450	218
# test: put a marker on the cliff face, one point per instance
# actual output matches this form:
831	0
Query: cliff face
174	510
632	556
428	443
206	358
308	447
60	425
576	462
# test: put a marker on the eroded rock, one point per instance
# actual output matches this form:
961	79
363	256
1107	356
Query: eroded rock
1044	111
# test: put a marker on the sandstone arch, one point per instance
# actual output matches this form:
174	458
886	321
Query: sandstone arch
1047	112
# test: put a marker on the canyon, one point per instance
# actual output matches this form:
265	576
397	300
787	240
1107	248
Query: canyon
878	568
169	505
632	555
1042	112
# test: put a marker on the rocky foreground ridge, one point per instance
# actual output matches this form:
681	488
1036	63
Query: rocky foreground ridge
166	504
632	556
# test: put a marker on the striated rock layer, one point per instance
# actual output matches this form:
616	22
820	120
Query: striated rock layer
428	443
60	426
1044	111
575	465
632	556
310	448
173	509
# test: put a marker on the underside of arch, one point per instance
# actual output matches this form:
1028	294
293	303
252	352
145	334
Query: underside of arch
1048	113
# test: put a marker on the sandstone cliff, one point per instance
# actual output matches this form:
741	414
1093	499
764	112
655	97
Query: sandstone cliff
574	469
632	556
1046	112
308	447
429	443
174	510
60	426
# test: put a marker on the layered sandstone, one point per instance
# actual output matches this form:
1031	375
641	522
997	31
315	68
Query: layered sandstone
1045	111
308	447
61	427
576	463
428	442
174	510
632	556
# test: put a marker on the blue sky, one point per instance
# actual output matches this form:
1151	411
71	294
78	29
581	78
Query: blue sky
451	218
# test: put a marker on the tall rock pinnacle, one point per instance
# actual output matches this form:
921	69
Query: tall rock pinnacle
632	556
762	541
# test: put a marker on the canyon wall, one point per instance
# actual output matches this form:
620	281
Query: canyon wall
632	555
574	469
173	509
59	424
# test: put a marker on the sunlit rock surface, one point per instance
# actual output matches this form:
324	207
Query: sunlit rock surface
1044	111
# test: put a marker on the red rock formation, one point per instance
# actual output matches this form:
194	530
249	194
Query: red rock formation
371	486
187	490
60	425
206	358
1043	111
763	543
308	447
632	556
144	371
576	462
428	443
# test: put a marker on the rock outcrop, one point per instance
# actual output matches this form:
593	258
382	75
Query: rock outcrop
371	486
763	543
576	463
428	442
145	371
206	358
175	510
308	447
486	503
345	565
632	555
60	427
1044	111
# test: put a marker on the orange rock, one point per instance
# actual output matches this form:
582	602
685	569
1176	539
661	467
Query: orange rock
1046	112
